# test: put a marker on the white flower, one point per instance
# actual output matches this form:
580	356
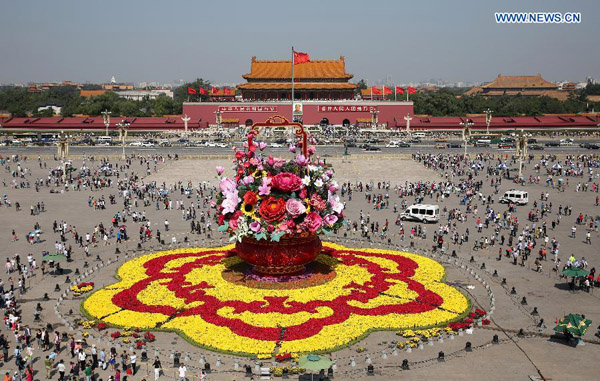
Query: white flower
306	180
318	183
312	168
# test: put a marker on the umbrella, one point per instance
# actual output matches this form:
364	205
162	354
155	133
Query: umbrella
53	257
314	362
575	272
573	323
556	166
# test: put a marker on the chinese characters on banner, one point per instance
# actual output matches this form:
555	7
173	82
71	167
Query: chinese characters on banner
248	108
342	108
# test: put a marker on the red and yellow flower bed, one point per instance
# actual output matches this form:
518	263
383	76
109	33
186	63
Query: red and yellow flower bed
185	291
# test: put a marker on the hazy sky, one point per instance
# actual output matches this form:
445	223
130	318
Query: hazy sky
160	40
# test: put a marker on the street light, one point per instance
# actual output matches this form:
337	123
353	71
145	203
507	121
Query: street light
466	132
106	116
123	127
488	119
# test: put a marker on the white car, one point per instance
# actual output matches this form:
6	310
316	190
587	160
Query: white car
276	145
222	145
147	144
211	144
136	144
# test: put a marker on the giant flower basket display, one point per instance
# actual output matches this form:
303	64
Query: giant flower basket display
275	209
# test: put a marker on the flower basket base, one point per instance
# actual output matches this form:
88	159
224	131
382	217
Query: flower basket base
289	256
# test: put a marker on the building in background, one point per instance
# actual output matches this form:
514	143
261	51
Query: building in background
523	85
271	80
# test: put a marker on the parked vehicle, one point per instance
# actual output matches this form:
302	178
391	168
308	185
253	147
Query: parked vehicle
514	196
425	213
454	145
566	142
536	147
135	144
552	144
372	148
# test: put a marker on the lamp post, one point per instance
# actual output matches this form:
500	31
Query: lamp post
466	133
488	120
106	116
123	127
521	148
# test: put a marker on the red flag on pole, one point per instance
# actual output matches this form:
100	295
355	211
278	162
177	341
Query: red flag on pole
411	90
203	91
227	91
399	90
214	90
191	90
387	90
300	58
375	90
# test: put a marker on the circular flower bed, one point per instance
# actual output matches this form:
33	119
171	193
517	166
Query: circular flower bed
186	291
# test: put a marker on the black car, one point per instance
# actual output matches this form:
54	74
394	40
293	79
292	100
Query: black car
454	145
403	144
593	146
415	140
536	147
552	144
372	148
350	144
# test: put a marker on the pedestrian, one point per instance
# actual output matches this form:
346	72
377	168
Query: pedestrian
182	372
61	370
157	368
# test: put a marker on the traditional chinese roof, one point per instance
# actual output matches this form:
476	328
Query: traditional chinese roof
91	93
297	86
519	82
319	69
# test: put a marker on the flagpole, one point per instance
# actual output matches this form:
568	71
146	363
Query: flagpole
395	93
292	83
407	94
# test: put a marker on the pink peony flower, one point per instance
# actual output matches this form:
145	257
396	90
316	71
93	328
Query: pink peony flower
295	207
312	221
220	170
262	145
292	148
311	150
248	180
330	219
227	185
230	203
287	182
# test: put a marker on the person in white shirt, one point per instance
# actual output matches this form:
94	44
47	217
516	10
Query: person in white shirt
182	371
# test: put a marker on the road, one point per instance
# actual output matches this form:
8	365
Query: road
322	150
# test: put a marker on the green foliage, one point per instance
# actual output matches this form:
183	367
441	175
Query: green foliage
446	102
181	94
362	84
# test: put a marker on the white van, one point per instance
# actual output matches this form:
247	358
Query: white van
419	135
515	196
105	139
422	213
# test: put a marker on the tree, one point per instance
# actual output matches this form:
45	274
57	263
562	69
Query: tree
362	84
180	93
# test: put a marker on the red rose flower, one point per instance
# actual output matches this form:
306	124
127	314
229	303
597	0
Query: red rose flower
272	209
250	198
287	182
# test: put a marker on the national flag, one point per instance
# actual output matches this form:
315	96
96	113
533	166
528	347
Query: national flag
227	91
214	90
411	90
375	90
203	91
300	58
191	90
399	90
387	90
